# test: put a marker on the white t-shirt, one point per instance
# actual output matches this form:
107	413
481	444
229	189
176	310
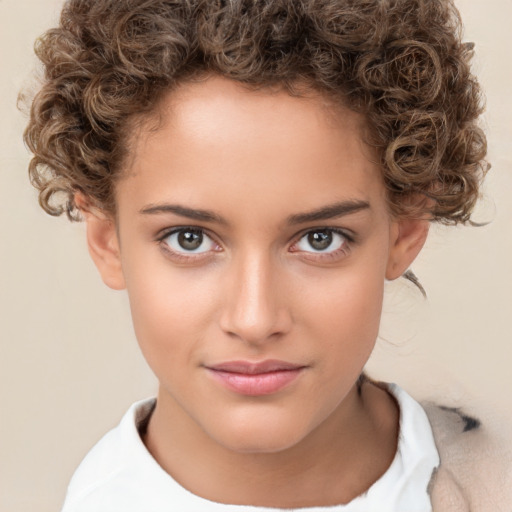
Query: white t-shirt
120	475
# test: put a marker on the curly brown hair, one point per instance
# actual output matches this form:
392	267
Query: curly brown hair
401	63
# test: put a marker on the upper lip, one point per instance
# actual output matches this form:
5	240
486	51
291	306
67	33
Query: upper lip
255	368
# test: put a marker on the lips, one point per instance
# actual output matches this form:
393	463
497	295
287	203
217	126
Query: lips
256	379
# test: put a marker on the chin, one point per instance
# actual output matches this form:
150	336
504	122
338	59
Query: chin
260	444
264	434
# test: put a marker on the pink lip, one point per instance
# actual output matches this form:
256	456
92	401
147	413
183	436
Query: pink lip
256	379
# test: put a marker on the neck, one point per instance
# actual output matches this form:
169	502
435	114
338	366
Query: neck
333	464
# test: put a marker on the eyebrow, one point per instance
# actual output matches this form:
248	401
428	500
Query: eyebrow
330	211
182	211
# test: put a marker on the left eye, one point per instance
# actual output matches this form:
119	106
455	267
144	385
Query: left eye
189	241
321	241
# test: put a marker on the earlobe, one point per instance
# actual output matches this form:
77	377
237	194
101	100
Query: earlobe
407	239
103	243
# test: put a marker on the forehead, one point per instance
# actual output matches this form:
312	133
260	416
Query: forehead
218	137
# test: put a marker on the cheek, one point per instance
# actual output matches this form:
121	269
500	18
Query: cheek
346	296
170	307
344	309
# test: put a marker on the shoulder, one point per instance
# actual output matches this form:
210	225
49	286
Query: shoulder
476	465
108	459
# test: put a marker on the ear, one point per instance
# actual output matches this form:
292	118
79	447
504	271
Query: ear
407	239
103	243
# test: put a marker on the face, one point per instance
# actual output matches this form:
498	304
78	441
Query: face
254	243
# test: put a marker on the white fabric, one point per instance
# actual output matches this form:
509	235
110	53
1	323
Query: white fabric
120	475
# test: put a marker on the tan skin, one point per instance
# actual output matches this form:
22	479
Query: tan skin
256	285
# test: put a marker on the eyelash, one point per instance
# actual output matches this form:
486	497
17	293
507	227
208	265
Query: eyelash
344	250
178	255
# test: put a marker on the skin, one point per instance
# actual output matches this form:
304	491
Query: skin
258	290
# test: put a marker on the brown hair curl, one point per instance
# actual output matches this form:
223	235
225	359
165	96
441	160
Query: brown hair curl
399	62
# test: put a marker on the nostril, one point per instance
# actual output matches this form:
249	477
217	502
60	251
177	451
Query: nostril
253	303
258	329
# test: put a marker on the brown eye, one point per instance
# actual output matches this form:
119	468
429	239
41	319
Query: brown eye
322	241
189	240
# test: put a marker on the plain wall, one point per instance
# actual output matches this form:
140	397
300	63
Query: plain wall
69	362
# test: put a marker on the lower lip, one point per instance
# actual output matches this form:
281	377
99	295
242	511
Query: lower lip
258	384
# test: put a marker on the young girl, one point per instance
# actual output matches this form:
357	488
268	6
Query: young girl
252	173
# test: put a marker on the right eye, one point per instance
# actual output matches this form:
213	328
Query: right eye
189	241
322	241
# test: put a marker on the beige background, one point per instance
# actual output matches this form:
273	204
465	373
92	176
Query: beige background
69	361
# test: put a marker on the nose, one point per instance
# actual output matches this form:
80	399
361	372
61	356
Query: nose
255	306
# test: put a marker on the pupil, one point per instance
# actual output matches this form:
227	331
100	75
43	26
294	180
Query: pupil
190	240
320	240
